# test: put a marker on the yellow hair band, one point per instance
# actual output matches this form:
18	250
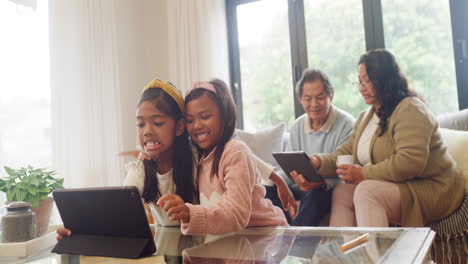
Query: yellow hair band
170	89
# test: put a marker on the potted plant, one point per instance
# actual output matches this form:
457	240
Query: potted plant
33	186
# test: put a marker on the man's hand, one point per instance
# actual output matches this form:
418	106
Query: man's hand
304	184
352	174
175	207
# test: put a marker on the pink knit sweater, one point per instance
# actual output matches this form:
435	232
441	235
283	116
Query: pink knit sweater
234	199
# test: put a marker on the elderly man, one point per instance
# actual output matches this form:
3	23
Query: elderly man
321	129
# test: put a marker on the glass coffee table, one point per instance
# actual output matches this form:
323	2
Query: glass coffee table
274	245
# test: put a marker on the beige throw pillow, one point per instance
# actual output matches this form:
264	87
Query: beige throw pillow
264	141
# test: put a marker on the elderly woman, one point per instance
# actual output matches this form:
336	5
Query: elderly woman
403	173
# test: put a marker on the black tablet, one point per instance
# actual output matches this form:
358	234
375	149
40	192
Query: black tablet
298	161
108	221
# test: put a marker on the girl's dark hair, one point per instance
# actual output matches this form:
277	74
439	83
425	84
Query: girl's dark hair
390	84
227	109
182	161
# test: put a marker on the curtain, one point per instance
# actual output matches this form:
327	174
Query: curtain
102	53
197	38
86	130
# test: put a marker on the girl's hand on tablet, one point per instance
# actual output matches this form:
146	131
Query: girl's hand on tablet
62	232
175	207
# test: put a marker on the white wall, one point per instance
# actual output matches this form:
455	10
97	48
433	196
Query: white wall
142	54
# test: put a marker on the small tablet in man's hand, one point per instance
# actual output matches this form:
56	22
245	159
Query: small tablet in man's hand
297	161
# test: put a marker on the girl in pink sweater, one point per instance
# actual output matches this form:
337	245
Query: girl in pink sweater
231	196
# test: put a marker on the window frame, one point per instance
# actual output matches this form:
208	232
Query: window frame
374	37
458	9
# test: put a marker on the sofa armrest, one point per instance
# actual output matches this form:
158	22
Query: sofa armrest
456	120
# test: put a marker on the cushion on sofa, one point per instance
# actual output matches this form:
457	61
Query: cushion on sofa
457	143
456	120
264	141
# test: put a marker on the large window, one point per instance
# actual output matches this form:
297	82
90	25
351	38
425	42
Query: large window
419	34
331	35
265	63
335	40
24	85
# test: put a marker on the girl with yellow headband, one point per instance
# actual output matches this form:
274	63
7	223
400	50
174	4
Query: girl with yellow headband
166	163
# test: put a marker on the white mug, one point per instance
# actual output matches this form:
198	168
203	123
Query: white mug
344	160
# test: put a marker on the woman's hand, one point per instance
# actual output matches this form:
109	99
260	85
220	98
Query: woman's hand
315	162
175	207
63	232
304	184
352	174
285	195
